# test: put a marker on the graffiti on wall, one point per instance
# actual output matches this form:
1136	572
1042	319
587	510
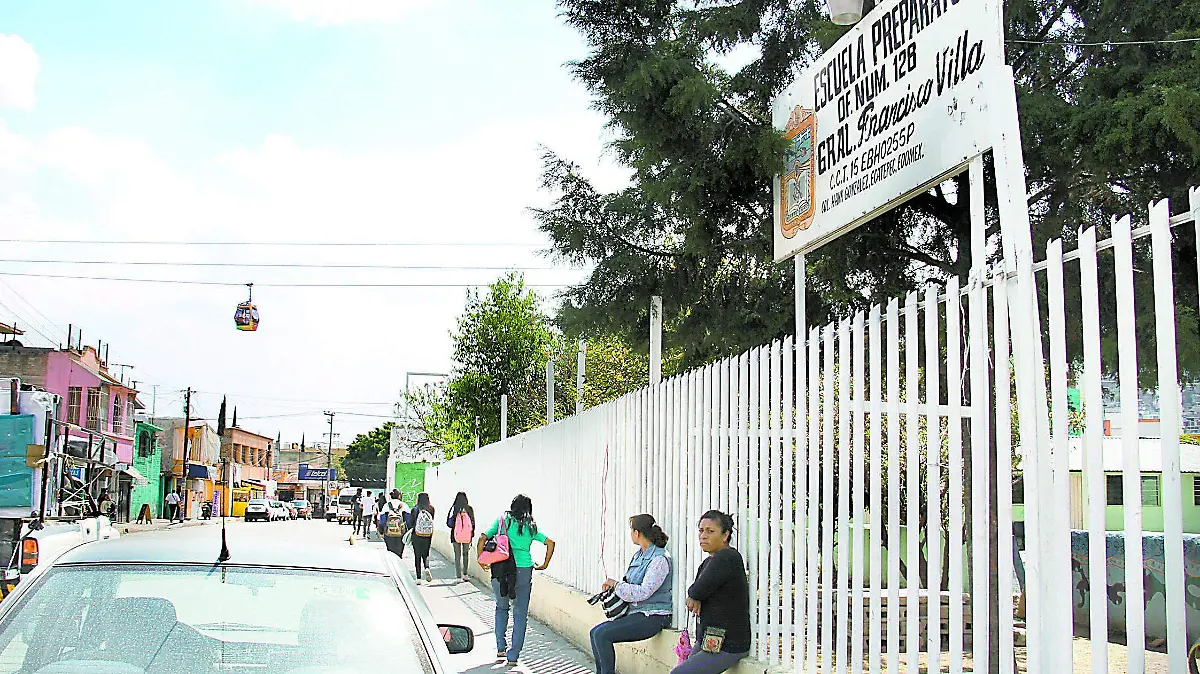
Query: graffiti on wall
1154	596
410	480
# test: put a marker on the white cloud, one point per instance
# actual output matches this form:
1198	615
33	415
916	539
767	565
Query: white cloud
343	12
18	72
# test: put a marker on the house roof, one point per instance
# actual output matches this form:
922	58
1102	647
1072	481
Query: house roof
1150	455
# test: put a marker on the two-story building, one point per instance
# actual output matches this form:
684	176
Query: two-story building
97	407
202	465
247	462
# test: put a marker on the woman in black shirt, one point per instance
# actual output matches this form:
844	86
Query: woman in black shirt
720	596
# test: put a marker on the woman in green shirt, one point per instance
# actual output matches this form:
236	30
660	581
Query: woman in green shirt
522	531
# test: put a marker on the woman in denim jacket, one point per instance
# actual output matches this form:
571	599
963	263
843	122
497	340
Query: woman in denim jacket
647	588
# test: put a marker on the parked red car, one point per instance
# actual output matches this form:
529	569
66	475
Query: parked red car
303	508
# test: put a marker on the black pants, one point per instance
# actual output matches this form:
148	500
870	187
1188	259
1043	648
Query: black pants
395	545
420	546
174	512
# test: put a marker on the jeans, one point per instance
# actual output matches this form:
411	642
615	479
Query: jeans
700	662
632	627
462	559
520	614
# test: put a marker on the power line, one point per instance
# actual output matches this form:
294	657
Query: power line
385	244
1110	43
234	284
30	324
55	326
288	265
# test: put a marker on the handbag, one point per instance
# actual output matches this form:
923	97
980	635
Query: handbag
613	606
683	649
497	549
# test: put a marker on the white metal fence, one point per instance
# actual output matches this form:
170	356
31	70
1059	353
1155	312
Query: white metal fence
861	470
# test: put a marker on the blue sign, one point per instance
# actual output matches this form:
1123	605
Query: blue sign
317	474
77	472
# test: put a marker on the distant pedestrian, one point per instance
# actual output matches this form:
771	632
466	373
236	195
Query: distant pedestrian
356	511
422	537
461	523
720	596
522	531
173	505
368	518
395	526
646	587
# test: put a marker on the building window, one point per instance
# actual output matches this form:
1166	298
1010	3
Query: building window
1112	485
1150	496
1018	489
74	400
117	426
93	409
1196	490
129	415
144	450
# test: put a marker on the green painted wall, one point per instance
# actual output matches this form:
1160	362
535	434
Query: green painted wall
410	480
1152	516
151	468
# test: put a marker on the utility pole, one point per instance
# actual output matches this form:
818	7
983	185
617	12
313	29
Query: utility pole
328	459
550	389
580	370
187	422
655	340
504	416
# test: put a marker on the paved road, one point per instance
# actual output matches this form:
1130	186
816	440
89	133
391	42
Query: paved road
467	604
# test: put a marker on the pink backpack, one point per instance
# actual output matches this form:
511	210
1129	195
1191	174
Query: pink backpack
462	528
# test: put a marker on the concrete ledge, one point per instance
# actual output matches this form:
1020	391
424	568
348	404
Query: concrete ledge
566	611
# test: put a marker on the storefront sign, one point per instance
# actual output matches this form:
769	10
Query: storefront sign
317	474
896	105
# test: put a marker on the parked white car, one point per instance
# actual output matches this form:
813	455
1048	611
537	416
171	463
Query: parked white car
258	509
278	511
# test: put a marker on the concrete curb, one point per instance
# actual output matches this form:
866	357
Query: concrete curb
130	528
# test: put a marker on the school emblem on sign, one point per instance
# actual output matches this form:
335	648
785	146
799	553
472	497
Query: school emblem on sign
799	181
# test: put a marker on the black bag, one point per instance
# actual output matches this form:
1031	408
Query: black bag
614	607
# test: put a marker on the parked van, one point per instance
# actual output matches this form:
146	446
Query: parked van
345	504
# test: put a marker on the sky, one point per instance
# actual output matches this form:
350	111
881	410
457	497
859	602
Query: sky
320	121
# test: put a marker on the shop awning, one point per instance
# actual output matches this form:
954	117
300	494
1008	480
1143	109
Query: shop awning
138	479
198	470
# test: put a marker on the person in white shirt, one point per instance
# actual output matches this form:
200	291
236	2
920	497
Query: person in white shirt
369	509
173	504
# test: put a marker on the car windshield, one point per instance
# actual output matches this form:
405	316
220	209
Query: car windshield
257	501
346	500
158	619
300	504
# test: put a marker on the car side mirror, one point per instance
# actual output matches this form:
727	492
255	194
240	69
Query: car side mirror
458	639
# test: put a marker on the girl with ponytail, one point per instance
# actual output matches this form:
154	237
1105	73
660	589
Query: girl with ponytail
647	588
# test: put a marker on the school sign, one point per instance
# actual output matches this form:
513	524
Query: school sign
895	106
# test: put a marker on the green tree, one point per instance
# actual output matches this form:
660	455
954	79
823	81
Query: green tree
1105	130
366	457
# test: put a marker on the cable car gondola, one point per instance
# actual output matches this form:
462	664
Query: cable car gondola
246	316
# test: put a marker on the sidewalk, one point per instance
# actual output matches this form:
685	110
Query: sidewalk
471	604
159	525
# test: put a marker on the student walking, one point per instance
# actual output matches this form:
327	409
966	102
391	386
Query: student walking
646	587
461	523
720	596
395	525
368	517
422	538
522	531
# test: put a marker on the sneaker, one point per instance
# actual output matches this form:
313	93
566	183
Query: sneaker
512	663
428	576
500	655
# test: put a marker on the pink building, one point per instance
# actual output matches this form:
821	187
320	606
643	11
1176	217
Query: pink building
99	406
